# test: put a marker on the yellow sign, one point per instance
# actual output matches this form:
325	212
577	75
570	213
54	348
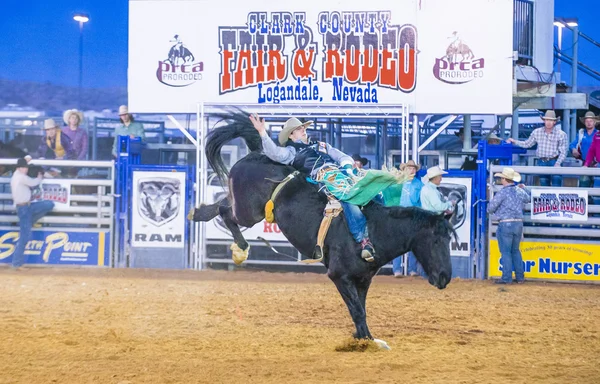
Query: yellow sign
553	261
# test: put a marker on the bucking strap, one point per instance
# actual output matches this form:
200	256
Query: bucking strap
332	210
269	215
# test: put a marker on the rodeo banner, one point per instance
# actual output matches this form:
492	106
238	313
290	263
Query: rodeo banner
459	189
64	248
432	55
158	209
553	260
57	191
559	204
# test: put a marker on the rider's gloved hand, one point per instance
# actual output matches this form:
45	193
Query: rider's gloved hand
349	170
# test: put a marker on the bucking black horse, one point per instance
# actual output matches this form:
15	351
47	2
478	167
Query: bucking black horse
299	210
11	151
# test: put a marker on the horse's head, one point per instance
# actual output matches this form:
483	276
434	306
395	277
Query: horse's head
431	246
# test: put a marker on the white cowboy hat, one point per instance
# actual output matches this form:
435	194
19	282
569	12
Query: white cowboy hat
493	136
123	110
290	126
509	174
410	163
550	115
70	112
435	171
588	115
49	124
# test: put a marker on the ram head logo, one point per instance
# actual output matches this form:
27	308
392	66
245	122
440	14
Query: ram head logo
159	199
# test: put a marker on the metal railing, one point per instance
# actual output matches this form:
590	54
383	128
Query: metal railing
523	30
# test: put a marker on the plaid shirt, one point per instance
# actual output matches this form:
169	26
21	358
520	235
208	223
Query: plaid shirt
549	145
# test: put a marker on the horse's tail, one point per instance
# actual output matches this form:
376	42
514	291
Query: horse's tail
233	124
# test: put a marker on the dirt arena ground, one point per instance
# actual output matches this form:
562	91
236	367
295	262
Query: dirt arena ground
141	326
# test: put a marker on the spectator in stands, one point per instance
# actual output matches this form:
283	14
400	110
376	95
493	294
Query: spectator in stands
492	139
359	162
593	155
79	137
27	211
55	145
582	143
507	206
551	147
411	197
129	127
431	198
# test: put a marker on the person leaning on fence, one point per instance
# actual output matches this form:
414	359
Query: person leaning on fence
552	147
129	127
507	206
78	136
411	197
28	212
54	144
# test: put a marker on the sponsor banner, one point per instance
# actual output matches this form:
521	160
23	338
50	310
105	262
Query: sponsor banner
554	261
64	248
216	229
559	204
426	54
57	191
158	209
459	189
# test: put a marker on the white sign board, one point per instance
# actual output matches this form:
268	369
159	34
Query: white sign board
559	204
459	189
57	191
437	56
158	209
216	229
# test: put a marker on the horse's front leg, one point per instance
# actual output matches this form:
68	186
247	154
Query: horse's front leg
348	289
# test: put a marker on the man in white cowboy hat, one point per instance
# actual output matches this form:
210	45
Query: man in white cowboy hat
310	158
78	136
55	145
28	212
551	147
129	127
431	198
507	207
410	197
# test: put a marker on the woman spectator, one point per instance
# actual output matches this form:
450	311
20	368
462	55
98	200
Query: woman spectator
129	127
78	136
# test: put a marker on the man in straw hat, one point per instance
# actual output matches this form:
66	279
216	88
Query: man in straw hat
431	198
310	158
507	206
28	212
129	127
410	197
54	144
551	147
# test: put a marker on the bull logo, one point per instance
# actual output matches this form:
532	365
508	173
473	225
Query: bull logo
159	199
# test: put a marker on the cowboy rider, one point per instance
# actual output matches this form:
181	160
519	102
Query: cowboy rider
310	158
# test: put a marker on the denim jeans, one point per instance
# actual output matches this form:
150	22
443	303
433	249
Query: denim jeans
545	179
413	264
509	238
28	215
357	222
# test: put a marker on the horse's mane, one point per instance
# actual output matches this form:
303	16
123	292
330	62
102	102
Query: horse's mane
419	217
234	123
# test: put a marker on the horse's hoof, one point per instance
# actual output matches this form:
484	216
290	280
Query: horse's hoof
190	215
382	344
239	255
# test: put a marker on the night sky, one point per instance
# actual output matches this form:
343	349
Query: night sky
39	40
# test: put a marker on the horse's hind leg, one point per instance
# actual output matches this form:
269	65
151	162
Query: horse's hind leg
240	246
350	293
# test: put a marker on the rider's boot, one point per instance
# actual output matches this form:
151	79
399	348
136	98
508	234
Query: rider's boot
318	252
367	251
